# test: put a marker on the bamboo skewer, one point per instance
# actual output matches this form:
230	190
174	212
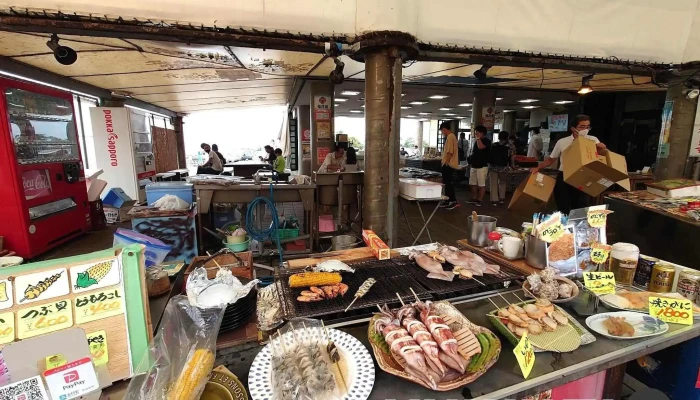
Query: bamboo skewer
415	295
330	346
402	303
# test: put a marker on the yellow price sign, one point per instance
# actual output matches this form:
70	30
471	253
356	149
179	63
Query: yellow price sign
43	319
98	347
7	327
600	282
674	311
525	355
600	252
597	218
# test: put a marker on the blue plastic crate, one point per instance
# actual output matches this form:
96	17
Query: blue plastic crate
156	190
116	197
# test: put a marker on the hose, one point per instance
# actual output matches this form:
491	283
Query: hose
272	231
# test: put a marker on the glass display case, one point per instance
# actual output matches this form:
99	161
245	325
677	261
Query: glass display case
41	127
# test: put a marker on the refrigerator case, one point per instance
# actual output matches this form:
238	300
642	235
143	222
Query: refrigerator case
42	182
123	149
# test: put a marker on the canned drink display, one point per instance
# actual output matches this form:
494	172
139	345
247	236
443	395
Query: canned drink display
662	278
644	267
689	284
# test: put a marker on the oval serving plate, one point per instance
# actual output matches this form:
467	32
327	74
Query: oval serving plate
644	325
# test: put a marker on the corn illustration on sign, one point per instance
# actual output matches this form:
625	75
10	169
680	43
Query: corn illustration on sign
6	295
94	276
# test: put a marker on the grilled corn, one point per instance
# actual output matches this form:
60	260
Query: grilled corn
190	383
306	279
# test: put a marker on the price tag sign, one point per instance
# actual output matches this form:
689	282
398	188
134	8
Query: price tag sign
98	347
600	252
597	218
551	229
600	282
674	311
525	355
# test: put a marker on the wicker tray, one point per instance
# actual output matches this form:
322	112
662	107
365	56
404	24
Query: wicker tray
575	336
457	322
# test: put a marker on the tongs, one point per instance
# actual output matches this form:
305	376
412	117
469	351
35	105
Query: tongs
240	262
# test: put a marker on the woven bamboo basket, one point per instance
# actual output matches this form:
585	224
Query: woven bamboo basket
457	322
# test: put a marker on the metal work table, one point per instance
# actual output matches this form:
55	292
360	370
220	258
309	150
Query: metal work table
246	191
504	379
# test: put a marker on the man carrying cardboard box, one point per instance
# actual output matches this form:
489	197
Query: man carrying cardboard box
567	196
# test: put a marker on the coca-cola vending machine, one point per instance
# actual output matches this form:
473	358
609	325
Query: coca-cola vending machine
42	182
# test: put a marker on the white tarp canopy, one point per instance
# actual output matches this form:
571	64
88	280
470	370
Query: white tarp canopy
640	30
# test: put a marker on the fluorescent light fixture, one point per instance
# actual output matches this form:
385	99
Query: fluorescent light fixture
16	105
363	106
461	117
465	105
405	107
350	92
424	119
424	113
563	102
403	94
508	110
418	103
445	109
356	111
499	98
410	116
24	78
438	97
530	107
527	100
61	106
340	100
450	114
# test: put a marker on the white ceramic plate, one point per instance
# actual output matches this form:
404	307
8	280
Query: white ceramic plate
359	363
672	295
644	325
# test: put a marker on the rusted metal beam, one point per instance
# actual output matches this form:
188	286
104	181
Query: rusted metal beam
172	33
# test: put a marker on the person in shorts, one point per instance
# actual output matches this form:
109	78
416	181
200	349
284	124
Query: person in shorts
478	165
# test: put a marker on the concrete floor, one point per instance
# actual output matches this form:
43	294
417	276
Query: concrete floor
447	226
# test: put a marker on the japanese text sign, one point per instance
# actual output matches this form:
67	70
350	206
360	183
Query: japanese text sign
599	282
7	327
72	380
597	218
39	320
98	347
525	355
551	229
600	252
98	305
673	311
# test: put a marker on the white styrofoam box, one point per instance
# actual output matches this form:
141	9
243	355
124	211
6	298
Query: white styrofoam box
420	188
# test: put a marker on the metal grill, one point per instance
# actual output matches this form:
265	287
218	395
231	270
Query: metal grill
398	275
390	281
459	287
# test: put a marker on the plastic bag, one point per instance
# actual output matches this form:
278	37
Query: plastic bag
182	351
171	202
224	289
155	251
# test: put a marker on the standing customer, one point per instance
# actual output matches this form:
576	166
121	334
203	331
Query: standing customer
351	160
499	161
567	196
450	163
478	164
536	146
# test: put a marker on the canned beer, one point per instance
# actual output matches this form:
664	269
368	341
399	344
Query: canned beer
689	284
644	267
662	278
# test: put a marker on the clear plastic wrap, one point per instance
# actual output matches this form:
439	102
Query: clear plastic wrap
301	368
224	289
180	356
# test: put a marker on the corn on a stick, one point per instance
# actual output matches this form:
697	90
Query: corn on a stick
190	383
306	279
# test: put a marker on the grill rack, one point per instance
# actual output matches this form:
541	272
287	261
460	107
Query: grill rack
397	275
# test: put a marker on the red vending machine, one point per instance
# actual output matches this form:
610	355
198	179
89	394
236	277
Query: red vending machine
43	197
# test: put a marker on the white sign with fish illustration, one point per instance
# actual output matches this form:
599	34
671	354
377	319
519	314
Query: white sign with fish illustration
42	285
6	298
96	275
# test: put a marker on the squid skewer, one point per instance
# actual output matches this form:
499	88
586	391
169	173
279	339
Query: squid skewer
364	288
334	355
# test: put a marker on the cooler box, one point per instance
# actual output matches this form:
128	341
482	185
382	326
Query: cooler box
419	188
156	190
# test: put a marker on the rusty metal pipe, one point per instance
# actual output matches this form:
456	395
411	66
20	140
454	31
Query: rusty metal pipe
382	106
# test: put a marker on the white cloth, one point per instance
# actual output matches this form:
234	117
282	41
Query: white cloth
215	161
535	147
332	160
563	144
477	176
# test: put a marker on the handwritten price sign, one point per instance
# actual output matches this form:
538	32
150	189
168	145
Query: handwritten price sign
600	252
600	282
525	355
598	218
673	311
552	233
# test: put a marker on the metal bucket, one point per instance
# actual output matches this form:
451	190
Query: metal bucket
344	242
479	230
535	252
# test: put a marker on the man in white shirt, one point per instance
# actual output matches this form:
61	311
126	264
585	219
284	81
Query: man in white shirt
334	162
213	165
567	196
536	145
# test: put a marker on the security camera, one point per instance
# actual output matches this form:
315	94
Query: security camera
63	54
336	76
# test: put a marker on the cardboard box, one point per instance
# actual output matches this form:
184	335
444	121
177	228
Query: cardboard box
533	194
590	172
121	214
379	248
341	137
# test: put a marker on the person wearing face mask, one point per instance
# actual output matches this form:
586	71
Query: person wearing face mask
567	196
